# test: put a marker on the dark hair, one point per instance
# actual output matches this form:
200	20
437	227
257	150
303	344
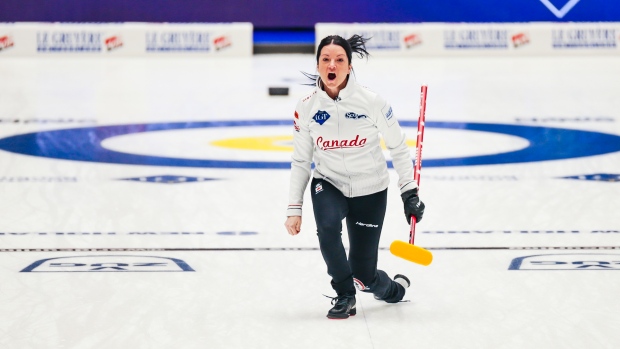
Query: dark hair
355	43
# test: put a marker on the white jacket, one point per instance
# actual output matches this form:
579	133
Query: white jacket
342	136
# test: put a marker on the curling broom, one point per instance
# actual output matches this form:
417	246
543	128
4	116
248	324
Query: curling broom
401	249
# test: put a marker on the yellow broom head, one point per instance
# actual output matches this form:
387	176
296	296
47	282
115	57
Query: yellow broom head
411	252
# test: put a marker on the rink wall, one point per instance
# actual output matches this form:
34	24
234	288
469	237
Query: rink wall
486	39
236	39
126	39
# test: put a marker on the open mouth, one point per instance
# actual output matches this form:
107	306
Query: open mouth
331	76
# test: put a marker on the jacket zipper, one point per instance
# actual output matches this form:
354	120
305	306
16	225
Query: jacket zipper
339	137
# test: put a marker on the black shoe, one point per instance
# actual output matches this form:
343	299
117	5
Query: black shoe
401	280
344	306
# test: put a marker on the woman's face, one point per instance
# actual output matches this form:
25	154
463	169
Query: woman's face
333	68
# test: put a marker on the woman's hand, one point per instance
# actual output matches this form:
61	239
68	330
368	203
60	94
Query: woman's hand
293	224
413	205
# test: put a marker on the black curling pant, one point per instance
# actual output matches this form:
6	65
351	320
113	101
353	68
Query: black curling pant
364	218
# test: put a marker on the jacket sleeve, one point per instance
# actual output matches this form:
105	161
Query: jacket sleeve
396	142
301	163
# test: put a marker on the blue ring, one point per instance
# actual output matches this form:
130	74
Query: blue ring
84	144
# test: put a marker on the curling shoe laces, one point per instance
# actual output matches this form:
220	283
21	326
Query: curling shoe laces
344	306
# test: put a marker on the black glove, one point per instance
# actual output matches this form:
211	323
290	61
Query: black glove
413	205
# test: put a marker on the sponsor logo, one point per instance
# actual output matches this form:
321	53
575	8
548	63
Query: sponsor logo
318	188
572	261
113	42
108	264
308	96
520	39
221	42
412	40
320	117
584	38
367	225
167	179
295	122
6	42
562	11
342	143
178	41
596	177
354	116
476	39
75	41
389	114
381	39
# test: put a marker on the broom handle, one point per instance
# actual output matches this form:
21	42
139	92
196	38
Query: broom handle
418	152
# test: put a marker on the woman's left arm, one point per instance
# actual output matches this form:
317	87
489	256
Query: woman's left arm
396	142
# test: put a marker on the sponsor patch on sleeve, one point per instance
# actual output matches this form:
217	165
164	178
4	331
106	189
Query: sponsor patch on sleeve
389	115
295	121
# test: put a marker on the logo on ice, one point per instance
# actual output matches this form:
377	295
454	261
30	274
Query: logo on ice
108	264
569	261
